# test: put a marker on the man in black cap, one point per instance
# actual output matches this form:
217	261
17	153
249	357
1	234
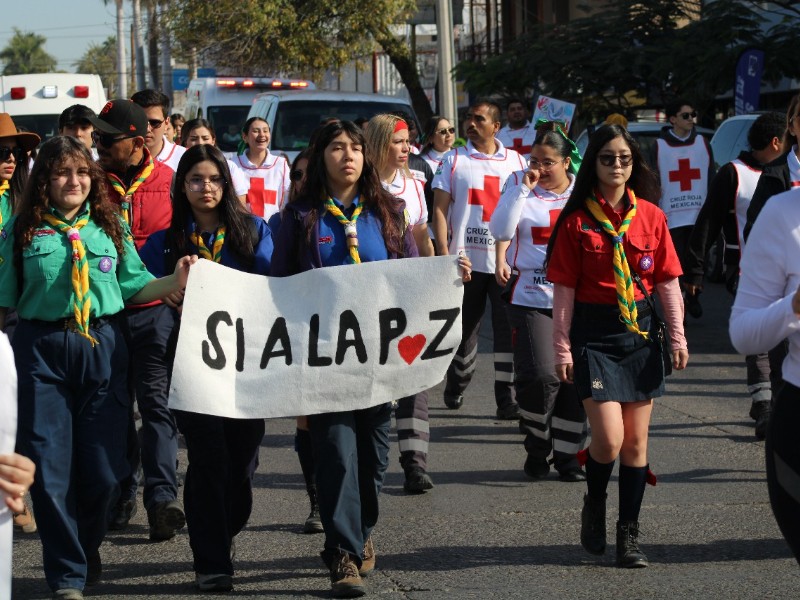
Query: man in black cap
141	186
76	121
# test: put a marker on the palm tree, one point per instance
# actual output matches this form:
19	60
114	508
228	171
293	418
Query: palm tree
25	53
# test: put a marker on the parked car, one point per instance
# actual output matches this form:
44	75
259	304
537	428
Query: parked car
730	138
293	116
644	132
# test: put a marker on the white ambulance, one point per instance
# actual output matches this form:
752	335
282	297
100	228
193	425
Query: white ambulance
225	102
35	101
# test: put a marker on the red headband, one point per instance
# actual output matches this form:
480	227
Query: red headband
400	125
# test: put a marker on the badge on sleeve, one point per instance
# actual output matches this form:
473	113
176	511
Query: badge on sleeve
646	262
105	264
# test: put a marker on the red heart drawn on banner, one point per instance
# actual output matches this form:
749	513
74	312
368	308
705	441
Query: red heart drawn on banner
410	347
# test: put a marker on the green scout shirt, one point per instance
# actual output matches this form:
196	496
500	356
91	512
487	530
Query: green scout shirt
47	292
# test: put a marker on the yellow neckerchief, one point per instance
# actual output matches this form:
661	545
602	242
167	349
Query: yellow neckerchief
127	194
215	253
350	230
622	272
82	303
4	186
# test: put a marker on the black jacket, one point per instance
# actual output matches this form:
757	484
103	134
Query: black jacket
774	180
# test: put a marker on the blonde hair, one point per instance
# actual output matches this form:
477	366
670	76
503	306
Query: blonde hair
378	138
617	119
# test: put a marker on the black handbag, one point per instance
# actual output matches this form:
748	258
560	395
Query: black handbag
659	334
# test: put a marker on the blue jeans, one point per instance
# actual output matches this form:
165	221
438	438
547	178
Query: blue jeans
352	453
73	411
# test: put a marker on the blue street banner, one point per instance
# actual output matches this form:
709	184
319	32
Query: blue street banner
748	81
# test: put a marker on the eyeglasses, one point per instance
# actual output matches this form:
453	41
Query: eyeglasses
199	185
609	160
296	175
446	130
544	165
155	123
108	139
6	153
688	116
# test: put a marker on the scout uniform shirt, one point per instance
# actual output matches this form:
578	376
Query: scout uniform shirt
47	272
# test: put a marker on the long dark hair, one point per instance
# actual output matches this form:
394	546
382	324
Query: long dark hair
305	153
231	213
18	181
380	202
643	180
35	200
430	130
189	126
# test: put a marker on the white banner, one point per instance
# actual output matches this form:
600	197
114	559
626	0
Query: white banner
328	340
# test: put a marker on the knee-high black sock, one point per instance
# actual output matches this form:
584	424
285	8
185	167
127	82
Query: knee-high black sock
305	454
632	481
597	476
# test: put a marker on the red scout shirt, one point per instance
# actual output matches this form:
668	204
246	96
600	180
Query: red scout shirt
582	255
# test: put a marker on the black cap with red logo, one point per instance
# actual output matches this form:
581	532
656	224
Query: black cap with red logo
121	116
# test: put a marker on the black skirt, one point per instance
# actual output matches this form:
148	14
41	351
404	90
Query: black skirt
611	363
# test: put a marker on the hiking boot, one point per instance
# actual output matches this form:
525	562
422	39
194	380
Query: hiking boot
417	481
453	401
122	514
509	412
345	580
536	468
165	519
593	525
25	520
629	556
763	412
368	562
313	523
214	582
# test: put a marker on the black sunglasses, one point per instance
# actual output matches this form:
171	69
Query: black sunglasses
296	175
6	153
609	160
108	139
155	123
446	130
688	116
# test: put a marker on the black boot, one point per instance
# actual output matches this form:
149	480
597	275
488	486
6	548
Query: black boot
593	525
313	523
629	556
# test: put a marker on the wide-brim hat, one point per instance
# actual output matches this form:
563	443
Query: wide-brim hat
121	116
27	141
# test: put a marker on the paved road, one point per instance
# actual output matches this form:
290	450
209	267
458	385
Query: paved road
486	531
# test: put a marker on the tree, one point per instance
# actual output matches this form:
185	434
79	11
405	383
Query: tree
101	59
300	37
635	53
25	53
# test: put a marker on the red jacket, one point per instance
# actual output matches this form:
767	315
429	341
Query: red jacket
151	207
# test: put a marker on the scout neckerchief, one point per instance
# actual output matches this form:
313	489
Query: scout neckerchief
622	272
126	195
4	185
217	242
82	304
349	225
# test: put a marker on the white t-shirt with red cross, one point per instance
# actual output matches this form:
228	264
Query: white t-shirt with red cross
474	181
170	154
684	180
269	183
410	190
520	139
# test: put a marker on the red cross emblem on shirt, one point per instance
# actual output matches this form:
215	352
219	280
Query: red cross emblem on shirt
541	235
487	197
685	174
517	145
257	196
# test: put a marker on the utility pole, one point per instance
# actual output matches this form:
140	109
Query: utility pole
444	39
138	46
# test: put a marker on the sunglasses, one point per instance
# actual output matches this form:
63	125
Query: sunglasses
446	130
6	153
609	160
296	175
688	116
155	123
108	139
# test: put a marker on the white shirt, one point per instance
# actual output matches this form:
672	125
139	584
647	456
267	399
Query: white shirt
520	139
239	180
412	192
170	154
269	183
684	180
762	313
8	436
433	158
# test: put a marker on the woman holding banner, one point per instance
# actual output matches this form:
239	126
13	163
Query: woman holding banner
208	220
344	204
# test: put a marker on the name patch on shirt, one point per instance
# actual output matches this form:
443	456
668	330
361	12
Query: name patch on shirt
44	232
326	239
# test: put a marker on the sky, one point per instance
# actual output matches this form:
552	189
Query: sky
70	26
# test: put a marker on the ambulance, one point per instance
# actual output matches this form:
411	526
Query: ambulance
35	101
225	102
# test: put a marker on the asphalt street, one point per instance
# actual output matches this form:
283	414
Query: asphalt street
487	531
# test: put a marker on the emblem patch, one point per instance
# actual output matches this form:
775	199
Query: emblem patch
597	384
105	264
646	262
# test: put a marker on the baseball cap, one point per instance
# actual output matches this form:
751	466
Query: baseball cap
121	116
77	113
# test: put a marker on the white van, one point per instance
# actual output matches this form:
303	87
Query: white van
36	101
225	101
293	116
